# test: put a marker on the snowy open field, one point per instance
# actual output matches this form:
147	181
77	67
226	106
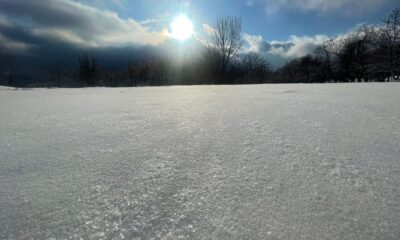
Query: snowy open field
205	162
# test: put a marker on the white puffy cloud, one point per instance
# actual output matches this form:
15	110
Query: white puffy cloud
77	23
208	29
296	46
303	45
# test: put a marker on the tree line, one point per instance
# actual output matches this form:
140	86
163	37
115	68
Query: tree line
371	53
219	61
5	67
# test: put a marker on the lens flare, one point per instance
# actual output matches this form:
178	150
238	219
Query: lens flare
182	28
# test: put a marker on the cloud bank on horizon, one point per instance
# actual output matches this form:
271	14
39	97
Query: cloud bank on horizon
77	23
88	24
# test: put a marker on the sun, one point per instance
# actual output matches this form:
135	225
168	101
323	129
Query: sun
182	28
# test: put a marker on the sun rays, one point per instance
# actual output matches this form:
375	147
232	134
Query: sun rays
182	28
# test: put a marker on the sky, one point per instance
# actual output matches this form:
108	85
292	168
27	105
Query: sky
55	31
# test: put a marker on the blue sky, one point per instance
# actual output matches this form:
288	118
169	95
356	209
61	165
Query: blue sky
278	29
271	20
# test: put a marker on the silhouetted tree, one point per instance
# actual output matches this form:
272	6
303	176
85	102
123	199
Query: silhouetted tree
372	53
59	75
5	67
133	73
325	56
307	69
389	43
226	41
354	57
255	68
88	69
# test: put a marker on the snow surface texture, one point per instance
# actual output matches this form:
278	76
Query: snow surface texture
206	162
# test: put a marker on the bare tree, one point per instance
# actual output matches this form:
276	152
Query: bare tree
5	67
114	77
372	53
325	57
227	40
133	73
358	49
88	69
389	41
255	67
347	58
58	75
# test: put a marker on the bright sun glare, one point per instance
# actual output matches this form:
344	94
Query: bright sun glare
182	28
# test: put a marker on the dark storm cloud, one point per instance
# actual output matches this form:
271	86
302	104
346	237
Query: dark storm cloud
79	24
47	33
42	52
43	12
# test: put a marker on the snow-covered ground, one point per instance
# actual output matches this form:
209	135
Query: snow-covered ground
205	162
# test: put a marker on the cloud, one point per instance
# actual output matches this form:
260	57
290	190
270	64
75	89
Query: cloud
256	43
325	6
13	46
120	2
303	45
294	47
77	23
149	21
8	44
4	22
249	2
209	30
